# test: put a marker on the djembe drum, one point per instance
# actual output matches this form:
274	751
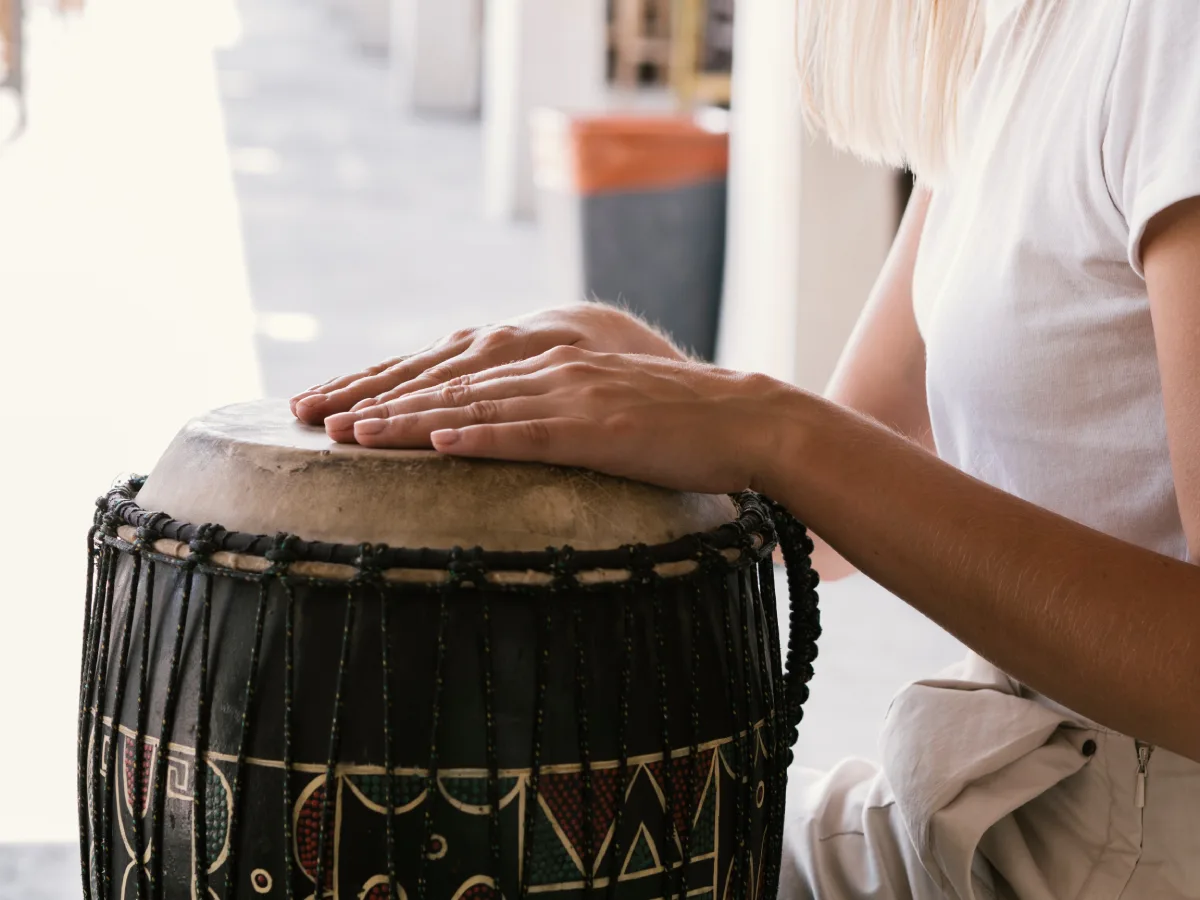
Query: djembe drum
263	715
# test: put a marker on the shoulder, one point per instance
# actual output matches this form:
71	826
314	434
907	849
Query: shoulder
1161	36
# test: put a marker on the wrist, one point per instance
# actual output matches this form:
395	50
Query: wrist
786	424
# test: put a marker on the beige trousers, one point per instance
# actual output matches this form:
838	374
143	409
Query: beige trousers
987	792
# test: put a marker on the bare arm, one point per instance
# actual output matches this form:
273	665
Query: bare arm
1105	627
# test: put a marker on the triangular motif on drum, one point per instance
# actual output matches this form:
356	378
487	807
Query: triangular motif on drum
760	750
684	804
564	800
642	855
552	861
705	825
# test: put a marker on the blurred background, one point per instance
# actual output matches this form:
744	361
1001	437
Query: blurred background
207	201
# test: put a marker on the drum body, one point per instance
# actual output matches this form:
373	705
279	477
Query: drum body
265	715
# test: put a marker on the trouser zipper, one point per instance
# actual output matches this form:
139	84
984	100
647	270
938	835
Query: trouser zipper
1143	755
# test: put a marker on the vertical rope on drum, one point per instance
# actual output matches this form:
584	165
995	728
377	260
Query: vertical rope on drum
768	664
749	729
539	721
431	780
493	759
289	632
730	663
158	797
646	577
200	773
85	716
139	759
108	570
565	582
264	591
389	767
769	700
118	702
693	717
335	740
585	756
804	629
614	865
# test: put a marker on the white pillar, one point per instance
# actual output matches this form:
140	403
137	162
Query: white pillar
762	261
437	55
808	228
538	53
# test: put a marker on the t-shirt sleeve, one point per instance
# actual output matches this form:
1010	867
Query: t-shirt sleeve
1152	133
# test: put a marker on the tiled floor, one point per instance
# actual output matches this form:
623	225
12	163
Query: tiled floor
215	202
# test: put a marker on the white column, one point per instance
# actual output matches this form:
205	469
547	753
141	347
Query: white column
762	261
808	228
538	53
437	55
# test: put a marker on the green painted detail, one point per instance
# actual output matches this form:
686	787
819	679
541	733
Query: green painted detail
216	813
704	833
551	863
405	790
473	791
641	858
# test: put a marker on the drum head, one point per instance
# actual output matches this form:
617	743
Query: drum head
253	467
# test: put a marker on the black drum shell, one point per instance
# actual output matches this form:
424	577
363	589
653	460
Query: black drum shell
596	683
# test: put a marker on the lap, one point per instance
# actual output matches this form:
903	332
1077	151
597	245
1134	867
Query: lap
845	840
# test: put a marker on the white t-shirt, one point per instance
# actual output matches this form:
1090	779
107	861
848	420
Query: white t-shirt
1083	122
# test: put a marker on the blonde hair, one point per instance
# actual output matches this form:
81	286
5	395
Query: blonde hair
883	78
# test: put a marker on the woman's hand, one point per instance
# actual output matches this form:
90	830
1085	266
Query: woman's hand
590	326
682	425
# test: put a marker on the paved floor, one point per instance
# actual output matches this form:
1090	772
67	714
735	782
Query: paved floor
213	202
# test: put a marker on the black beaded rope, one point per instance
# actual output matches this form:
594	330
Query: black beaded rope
335	741
85	716
139	835
247	729
158	800
493	758
371	577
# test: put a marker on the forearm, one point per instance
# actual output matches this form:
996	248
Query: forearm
1106	628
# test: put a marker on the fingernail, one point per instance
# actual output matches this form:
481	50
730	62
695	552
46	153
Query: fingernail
311	402
369	426
341	421
363	404
445	438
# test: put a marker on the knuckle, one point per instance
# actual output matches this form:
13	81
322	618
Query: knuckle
500	336
579	369
442	372
564	353
537	433
452	394
481	412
